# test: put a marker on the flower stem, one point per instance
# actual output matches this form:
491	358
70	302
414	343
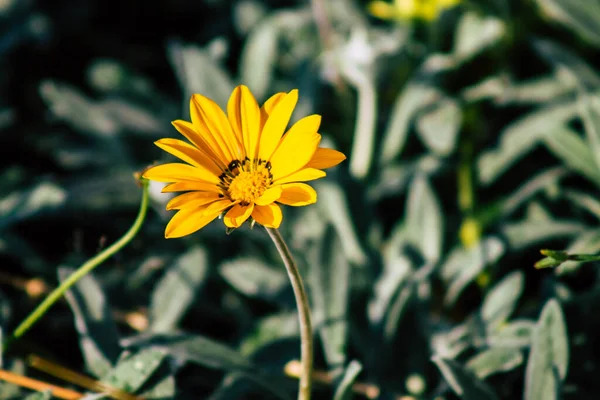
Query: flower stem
86	268
306	337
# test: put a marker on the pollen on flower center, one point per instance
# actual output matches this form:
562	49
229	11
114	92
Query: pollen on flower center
246	181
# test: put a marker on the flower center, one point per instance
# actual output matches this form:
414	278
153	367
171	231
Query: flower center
245	181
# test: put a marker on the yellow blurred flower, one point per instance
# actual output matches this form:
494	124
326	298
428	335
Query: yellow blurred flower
241	164
428	10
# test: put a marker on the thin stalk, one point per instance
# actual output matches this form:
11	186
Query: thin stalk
85	269
306	338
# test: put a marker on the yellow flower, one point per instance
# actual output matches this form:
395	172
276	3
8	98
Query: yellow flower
428	10
241	164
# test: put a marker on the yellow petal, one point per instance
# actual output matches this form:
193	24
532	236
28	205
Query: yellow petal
237	215
173	172
268	215
187	129
297	194
234	116
297	147
200	121
269	105
278	120
270	195
188	221
184	186
218	206
381	9
249	121
304	175
210	118
325	158
189	154
192	200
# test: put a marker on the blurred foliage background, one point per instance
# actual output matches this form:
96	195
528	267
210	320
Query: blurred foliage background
472	131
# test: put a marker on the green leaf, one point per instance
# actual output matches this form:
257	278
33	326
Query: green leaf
396	269
199	71
252	277
438	128
538	226
462	381
344	388
521	136
583	17
22	205
463	265
47	395
334	206
424	221
269	329
330	286
516	333
586	201
98	337
193	348
413	98
494	360
501	300
475	33
259	56
590	115
134	369
549	355
162	389
586	243
177	289
571	68
572	149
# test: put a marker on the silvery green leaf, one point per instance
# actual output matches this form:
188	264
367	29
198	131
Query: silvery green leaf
98	337
334	206
134	369
549	355
516	333
567	145
194	349
83	114
413	98
162	389
177	289
586	243
463	265
450	344
247	14
252	277
199	72
259	56
584	200
538	227
22	205
494	360
344	388
357	68
424	222
269	329
583	17
521	136
39	396
590	115
466	385
438	128
568	65
330	285
502	299
396	270
475	33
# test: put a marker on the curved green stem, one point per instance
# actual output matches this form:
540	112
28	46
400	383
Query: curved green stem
306	337
86	268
